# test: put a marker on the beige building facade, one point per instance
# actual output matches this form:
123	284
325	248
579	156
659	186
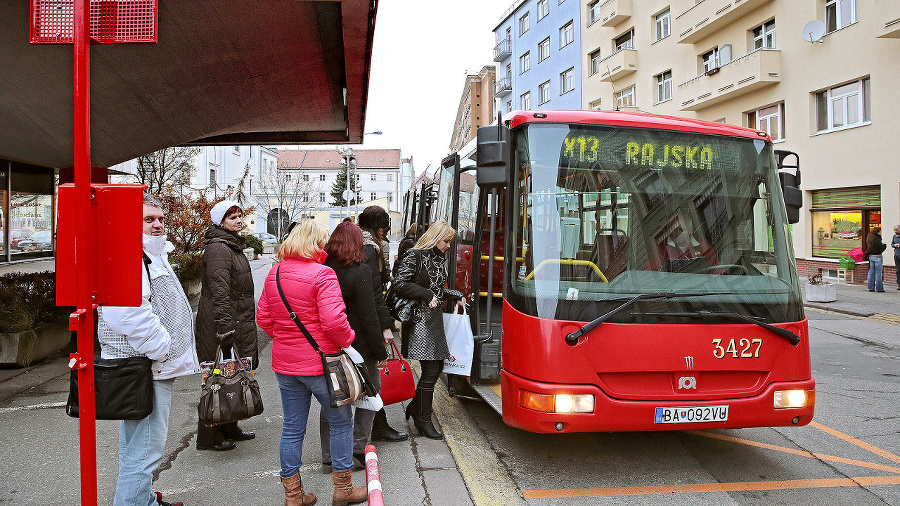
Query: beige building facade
833	99
476	107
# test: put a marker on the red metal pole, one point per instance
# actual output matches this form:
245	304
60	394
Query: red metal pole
85	249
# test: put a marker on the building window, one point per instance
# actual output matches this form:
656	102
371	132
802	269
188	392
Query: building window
595	62
321	177
390	177
567	81
710	60
625	98
663	25
593	12
509	106
524	23
664	86
525	62
544	92
525	101
306	177
844	106
768	119
625	41
764	36
212	178
566	34
390	196
841	218
322	197
838	14
543	8
544	49
595	105
305	197
373	177
287	177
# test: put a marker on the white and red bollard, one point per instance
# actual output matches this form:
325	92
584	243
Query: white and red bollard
373	477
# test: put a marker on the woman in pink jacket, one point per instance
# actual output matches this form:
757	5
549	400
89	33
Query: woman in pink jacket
314	295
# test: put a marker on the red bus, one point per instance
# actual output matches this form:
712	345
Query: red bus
634	272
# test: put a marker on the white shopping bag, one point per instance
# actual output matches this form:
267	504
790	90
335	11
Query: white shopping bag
370	403
461	343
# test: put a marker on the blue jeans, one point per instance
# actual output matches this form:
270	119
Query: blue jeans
141	445
296	393
876	266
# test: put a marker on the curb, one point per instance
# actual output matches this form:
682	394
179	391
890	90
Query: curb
824	307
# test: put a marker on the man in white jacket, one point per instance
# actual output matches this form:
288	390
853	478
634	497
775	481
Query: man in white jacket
162	329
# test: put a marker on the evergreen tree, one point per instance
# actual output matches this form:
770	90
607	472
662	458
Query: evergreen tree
340	186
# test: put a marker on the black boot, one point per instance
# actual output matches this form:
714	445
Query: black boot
381	431
412	409
423	419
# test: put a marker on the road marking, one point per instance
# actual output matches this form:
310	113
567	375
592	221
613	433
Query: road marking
713	487
886	317
862	444
794	451
46	405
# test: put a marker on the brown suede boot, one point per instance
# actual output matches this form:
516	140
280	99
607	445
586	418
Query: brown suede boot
293	492
344	491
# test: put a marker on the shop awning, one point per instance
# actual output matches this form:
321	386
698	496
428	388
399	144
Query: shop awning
223	72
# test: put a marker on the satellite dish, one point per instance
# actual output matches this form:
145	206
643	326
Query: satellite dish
813	31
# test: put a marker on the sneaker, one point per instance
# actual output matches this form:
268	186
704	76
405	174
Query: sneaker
164	503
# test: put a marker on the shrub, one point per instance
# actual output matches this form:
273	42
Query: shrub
254	242
29	300
187	267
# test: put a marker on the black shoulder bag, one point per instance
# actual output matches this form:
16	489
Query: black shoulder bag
401	308
347	381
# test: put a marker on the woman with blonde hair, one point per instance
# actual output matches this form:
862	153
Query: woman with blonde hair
421	276
314	295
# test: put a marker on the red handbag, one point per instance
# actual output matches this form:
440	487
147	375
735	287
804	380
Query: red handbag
397	383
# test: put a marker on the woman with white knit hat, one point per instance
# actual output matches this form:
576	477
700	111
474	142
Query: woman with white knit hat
226	315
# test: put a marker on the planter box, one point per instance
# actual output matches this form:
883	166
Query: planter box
192	287
25	348
821	293
250	253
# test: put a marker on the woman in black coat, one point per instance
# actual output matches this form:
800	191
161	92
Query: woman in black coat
226	315
345	256
374	221
408	241
421	277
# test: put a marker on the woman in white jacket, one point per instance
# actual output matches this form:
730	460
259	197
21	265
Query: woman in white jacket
162	329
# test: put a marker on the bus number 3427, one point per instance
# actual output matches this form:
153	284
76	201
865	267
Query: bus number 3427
741	348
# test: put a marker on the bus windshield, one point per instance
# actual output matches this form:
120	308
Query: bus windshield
602	213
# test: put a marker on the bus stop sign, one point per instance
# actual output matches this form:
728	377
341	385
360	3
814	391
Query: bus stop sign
112	21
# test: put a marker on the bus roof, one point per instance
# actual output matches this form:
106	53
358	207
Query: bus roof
631	119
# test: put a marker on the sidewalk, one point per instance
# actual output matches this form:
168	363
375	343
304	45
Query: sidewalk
856	300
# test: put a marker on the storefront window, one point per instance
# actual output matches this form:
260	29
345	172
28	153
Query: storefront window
27	212
3	206
31	223
836	232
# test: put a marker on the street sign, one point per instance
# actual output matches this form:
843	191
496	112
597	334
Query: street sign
112	21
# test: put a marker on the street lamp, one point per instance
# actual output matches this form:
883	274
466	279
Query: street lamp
348	160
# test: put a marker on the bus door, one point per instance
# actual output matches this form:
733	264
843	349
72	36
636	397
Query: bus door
487	294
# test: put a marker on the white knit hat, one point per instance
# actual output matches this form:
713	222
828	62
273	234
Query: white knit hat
217	214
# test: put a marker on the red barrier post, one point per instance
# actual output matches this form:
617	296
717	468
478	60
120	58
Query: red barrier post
373	477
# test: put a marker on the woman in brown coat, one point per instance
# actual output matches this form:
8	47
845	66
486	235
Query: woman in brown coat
226	316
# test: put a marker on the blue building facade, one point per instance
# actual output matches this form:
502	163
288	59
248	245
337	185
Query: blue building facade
538	56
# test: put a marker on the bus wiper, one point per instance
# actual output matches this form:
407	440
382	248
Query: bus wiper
792	338
572	338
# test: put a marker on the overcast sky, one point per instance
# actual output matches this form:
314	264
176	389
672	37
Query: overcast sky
422	51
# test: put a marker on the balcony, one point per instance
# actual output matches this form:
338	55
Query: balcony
742	75
613	12
618	65
889	20
708	16
503	86
502	50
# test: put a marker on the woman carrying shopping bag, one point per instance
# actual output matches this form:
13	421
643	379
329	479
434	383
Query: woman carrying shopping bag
314	295
225	316
421	277
345	256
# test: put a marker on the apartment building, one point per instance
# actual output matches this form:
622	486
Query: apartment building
476	107
830	97
538	55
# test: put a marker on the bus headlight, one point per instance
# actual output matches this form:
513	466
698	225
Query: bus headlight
558	403
794	398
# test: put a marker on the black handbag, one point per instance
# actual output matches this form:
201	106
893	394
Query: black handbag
229	399
347	381
123	389
401	308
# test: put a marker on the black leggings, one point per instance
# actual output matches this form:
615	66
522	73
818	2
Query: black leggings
431	370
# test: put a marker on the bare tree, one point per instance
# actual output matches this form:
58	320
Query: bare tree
169	167
289	190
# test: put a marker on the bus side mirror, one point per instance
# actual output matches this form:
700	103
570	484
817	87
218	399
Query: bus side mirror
793	197
493	157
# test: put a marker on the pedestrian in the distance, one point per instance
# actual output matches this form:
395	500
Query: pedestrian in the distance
895	245
423	337
162	329
373	221
313	292
345	256
408	241
225	316
874	248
